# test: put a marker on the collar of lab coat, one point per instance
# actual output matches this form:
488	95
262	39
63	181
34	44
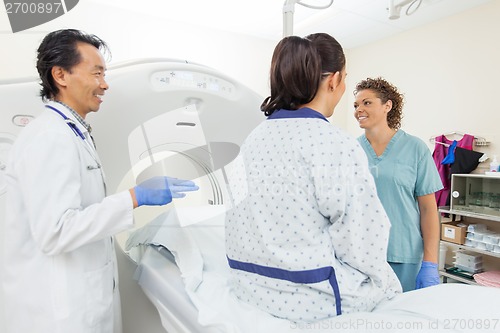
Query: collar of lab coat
88	142
62	108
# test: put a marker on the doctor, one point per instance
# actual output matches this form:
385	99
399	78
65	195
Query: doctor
60	271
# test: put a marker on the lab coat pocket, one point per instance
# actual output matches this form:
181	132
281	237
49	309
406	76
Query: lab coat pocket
99	294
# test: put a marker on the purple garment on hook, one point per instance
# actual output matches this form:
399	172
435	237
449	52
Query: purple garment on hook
440	152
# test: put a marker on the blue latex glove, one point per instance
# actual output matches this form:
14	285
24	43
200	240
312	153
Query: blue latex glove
160	190
428	275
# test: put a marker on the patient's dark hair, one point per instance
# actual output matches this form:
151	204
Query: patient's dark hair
59	48
298	65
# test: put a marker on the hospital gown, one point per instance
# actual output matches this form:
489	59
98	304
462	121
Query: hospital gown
303	198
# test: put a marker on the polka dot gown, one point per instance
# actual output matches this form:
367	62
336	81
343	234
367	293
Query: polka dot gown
303	198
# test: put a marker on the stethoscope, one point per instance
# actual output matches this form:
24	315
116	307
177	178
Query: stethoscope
77	132
69	122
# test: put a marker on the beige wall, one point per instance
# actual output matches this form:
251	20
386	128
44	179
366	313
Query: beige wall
448	72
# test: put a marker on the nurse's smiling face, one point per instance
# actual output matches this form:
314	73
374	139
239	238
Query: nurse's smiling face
369	110
83	87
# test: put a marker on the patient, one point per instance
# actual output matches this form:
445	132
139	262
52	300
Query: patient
307	236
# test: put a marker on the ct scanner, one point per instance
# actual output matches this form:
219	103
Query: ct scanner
160	116
164	116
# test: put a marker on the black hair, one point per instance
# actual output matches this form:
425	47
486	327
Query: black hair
59	48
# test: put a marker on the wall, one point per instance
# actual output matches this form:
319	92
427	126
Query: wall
447	71
132	36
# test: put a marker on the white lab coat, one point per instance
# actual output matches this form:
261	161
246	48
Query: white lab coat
60	271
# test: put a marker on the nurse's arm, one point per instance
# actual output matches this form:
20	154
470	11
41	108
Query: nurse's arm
429	225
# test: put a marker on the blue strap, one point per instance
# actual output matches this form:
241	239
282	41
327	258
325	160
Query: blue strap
300	113
450	158
306	277
70	123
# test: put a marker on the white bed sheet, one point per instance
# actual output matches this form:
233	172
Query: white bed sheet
194	298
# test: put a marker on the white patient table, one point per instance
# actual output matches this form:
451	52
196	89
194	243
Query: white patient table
186	279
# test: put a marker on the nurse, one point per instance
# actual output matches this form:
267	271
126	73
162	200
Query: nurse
406	179
60	271
307	236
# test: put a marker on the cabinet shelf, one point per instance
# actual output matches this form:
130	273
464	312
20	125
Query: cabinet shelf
474	199
447	210
447	275
471	249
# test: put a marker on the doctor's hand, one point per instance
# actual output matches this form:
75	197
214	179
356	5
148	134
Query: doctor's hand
428	275
160	190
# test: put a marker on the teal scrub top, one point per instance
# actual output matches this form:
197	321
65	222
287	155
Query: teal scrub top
403	172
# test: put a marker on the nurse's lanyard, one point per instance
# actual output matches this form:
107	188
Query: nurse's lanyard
306	277
69	122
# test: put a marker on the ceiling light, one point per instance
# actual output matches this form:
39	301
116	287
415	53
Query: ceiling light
288	10
395	7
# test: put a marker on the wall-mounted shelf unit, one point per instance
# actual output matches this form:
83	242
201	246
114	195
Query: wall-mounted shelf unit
475	202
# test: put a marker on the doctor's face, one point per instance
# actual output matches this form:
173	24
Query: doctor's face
85	83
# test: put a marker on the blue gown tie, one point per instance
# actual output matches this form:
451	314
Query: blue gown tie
306	277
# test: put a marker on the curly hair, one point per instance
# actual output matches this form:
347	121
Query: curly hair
385	91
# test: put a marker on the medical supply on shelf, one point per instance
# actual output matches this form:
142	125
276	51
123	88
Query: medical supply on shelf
468	261
494	164
479	237
476	227
490	279
442	256
453	232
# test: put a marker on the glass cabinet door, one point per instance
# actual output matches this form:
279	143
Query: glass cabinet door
478	194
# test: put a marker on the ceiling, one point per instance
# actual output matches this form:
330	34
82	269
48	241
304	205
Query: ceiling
352	22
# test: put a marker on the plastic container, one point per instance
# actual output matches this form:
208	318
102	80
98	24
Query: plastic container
468	261
467	258
494	164
477	227
442	256
491	238
478	236
471	243
481	246
477	268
